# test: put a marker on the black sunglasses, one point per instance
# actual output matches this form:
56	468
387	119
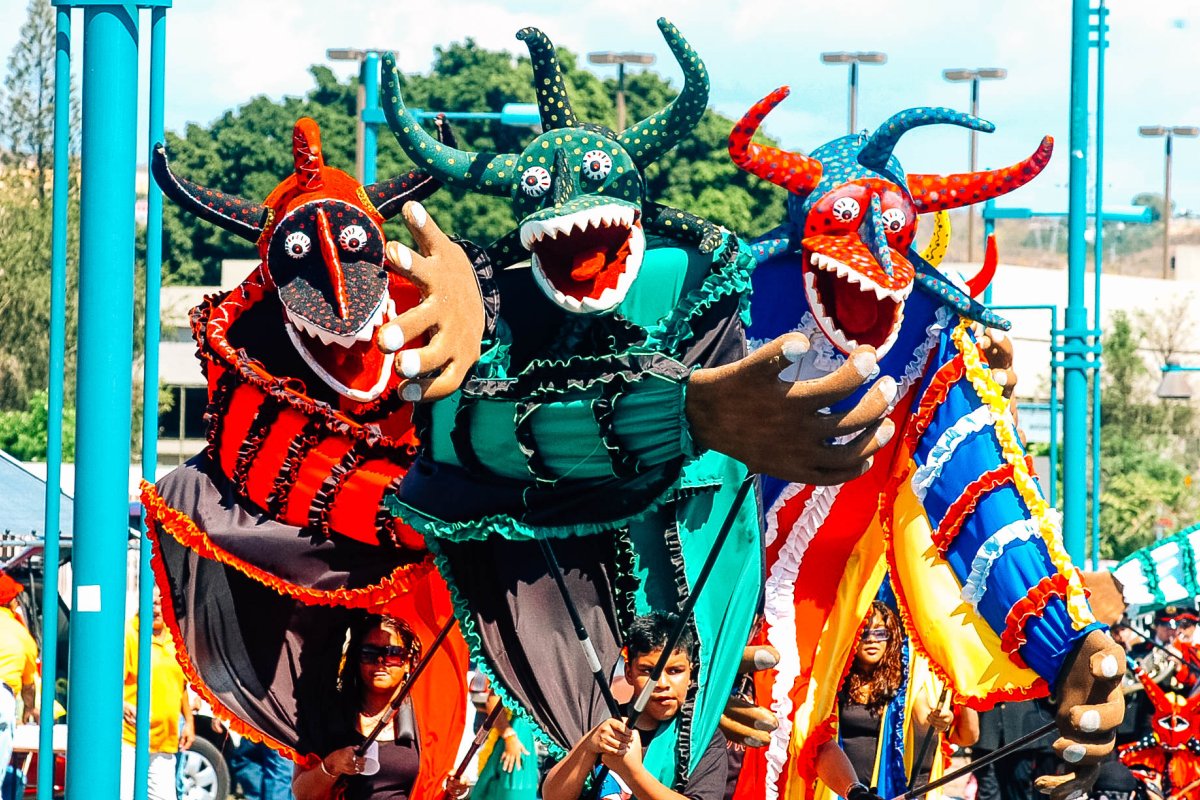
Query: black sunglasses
391	654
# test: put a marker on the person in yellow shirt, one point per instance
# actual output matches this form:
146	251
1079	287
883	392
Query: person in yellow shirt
168	703
18	667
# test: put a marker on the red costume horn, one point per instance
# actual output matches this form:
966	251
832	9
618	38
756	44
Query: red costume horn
937	192
794	172
981	279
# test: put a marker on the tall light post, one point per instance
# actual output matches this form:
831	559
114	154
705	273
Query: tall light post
1168	133
854	59
974	76
621	59
369	113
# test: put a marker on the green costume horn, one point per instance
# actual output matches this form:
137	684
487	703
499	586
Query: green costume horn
658	133
491	173
553	104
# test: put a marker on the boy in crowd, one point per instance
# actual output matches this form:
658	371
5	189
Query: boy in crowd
618	747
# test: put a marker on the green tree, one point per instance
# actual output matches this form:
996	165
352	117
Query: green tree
1155	201
23	432
1147	446
247	151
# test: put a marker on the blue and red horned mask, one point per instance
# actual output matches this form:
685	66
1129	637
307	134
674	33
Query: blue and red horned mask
321	241
852	217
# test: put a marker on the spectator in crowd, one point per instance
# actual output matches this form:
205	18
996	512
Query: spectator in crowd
18	674
168	703
619	748
507	766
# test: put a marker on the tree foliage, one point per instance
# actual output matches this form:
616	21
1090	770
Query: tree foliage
1148	446
23	432
248	150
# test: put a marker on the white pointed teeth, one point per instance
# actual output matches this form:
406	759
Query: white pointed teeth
852	275
610	216
384	312
834	332
611	297
384	308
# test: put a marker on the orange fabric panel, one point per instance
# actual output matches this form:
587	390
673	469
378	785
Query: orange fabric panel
269	458
357	503
321	459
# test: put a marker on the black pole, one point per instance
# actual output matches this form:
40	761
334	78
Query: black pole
981	762
476	743
926	740
401	695
585	641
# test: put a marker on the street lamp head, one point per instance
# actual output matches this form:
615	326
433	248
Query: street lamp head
1152	130
1174	384
841	57
993	73
872	57
983	73
608	57
958	74
345	54
836	58
1185	130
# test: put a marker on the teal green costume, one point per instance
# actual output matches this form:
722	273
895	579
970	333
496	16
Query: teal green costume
573	426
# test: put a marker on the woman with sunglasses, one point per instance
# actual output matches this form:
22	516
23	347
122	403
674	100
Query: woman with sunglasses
887	703
379	657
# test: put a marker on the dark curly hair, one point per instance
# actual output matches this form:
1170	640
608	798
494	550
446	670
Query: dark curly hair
651	632
349	679
881	682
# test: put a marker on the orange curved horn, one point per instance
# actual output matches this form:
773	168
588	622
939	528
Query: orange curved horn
938	192
794	172
981	279
306	154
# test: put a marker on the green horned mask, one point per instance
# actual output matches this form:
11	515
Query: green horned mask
577	191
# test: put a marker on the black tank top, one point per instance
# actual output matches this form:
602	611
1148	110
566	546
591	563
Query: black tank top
399	762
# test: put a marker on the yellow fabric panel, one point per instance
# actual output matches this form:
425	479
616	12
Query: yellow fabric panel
18	653
921	681
167	688
863	573
947	630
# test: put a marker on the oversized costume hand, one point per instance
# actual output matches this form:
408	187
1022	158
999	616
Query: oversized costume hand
998	350
744	723
450	312
1090	707
784	429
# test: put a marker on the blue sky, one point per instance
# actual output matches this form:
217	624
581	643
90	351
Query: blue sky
223	52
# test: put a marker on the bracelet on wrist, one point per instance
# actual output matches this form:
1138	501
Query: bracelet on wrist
508	734
325	769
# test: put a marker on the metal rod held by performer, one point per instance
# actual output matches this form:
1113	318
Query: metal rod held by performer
476	743
1182	659
980	762
401	695
926	740
585	641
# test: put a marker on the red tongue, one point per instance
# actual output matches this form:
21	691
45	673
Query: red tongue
587	265
857	312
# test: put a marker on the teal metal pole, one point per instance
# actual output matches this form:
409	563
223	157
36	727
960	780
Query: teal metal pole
1097	261
106	264
1075	334
371	109
158	39
58	334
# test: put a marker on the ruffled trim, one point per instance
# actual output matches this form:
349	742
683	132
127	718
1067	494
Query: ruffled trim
466	625
964	506
298	449
236	723
943	449
805	762
604	410
528	445
1031	605
935	394
779	610
185	531
993	547
626	584
264	420
549	379
508	527
322	502
730	276
1047	519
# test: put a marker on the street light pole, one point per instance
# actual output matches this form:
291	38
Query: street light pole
974	76
367	107
1169	134
621	59
854	59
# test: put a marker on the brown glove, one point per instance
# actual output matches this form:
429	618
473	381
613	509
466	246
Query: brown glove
783	428
743	722
1090	707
